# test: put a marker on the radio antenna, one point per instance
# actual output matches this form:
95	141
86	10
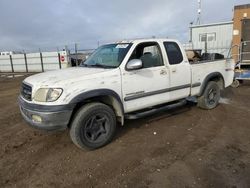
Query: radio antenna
198	21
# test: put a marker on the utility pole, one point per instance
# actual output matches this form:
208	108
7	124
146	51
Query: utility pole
76	51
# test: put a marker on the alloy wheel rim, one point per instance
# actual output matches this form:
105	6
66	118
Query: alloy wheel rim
96	128
212	95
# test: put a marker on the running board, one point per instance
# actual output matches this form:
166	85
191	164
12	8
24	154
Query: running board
155	110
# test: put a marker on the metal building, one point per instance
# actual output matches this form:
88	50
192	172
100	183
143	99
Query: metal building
241	34
212	38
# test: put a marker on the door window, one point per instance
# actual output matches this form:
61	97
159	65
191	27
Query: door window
149	53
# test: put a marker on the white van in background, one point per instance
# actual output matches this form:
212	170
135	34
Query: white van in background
10	53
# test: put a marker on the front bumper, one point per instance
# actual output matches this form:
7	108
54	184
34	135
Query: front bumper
52	117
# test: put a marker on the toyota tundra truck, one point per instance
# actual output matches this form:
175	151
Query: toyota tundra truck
124	80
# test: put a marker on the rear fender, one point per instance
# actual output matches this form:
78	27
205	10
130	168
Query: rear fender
215	76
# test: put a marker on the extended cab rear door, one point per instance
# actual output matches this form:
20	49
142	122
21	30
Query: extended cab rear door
179	70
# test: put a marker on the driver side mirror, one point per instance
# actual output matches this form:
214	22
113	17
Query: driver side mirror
134	64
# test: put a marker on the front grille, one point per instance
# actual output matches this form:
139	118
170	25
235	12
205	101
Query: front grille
26	91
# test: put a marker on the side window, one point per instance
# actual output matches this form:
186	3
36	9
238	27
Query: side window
173	52
207	37
149	53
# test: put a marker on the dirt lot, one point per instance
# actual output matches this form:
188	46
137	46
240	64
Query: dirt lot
187	147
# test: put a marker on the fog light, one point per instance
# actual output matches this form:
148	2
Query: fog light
36	118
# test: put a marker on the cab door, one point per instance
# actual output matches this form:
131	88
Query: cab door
147	86
179	71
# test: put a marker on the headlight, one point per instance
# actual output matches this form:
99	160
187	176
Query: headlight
47	94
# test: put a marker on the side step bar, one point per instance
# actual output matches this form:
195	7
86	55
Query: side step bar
155	110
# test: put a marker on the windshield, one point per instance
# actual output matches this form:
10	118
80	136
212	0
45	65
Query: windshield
108	56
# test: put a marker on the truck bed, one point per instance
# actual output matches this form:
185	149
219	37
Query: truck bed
201	69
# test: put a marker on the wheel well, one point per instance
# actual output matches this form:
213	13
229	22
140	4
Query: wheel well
219	80
105	99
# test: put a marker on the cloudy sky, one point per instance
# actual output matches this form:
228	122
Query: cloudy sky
47	24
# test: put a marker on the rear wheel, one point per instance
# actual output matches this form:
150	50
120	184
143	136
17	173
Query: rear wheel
93	126
235	84
210	97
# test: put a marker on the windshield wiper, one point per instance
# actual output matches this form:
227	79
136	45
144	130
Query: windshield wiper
100	65
83	65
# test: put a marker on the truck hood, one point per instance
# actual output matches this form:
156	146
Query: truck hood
53	78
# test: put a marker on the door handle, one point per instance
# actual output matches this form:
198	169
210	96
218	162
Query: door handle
174	69
163	72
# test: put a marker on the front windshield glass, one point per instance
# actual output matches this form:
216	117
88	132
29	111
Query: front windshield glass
108	56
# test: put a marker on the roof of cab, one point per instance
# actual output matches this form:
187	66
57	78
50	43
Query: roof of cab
146	40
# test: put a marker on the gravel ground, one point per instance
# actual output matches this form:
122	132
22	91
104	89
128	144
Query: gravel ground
187	147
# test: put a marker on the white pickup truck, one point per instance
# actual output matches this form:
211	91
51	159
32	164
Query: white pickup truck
124	80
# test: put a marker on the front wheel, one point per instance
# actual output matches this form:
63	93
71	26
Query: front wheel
93	126
211	96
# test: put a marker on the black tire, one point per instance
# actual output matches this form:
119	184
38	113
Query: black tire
235	84
210	97
93	126
241	81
